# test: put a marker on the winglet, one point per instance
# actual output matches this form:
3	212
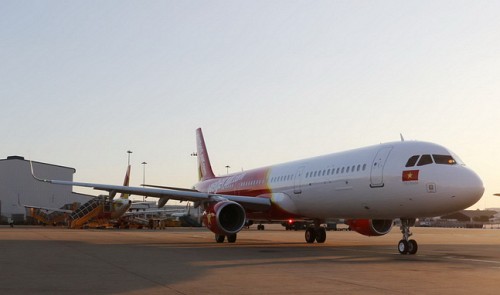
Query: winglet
204	167
34	176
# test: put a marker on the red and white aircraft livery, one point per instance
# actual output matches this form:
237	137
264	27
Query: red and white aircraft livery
369	187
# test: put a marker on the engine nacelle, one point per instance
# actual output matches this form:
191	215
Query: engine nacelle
370	227
224	217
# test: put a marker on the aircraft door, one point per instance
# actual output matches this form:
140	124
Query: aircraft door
377	169
297	181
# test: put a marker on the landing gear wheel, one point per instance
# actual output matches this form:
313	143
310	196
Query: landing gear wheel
403	247
310	235
231	238
321	235
412	247
407	246
220	238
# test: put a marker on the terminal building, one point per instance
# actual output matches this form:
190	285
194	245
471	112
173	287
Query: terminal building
19	188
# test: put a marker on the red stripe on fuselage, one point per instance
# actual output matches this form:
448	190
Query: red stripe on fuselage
250	183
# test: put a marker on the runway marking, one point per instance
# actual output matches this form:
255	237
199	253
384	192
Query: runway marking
473	260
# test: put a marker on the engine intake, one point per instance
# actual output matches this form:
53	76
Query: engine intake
224	217
370	227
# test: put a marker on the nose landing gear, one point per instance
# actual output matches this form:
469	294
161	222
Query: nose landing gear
407	246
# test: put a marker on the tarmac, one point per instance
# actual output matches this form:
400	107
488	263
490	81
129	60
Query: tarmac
47	260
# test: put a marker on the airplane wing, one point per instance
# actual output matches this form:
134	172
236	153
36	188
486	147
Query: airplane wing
170	187
498	195
249	203
50	209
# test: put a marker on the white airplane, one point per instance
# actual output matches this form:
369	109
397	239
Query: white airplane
369	187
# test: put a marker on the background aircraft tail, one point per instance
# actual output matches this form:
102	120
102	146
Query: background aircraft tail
204	167
126	183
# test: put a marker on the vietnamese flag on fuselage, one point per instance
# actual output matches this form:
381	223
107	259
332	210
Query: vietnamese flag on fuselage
410	175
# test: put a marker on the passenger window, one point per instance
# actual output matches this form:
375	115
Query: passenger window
411	161
425	160
359	167
444	159
347	171
364	167
342	170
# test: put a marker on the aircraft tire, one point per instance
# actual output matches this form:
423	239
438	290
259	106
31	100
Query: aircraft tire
220	238
310	235
231	238
321	235
403	247
412	247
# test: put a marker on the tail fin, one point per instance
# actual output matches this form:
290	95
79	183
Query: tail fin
204	167
126	183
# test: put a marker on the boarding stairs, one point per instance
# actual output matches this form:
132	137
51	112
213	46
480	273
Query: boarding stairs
39	215
88	211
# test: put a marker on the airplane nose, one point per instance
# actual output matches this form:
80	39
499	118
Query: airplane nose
472	187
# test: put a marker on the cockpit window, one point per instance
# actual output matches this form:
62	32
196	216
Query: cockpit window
457	159
425	160
444	159
412	161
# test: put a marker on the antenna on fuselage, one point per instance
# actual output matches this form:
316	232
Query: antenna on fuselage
401	136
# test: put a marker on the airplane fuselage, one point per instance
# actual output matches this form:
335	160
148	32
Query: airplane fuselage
373	182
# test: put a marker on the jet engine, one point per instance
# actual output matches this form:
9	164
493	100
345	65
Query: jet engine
370	227
224	217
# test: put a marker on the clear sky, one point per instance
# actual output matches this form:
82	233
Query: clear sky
82	82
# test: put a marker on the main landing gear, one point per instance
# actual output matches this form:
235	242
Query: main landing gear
315	233
407	246
221	238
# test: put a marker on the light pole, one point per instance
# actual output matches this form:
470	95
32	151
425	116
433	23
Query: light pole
143	177
129	152
227	169
143	173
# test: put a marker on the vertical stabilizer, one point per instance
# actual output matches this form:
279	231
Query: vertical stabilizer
204	167
126	183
